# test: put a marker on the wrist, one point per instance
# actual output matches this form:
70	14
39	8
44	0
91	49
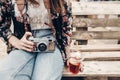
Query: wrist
13	40
9	36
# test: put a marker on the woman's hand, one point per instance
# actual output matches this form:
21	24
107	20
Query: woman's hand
75	58
23	43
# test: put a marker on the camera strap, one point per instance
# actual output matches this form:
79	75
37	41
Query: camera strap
63	12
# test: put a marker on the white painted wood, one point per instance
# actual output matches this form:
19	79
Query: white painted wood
112	55
96	78
3	49
86	22
97	52
92	8
98	68
86	48
85	35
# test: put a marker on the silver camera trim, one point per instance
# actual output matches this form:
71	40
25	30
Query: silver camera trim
46	41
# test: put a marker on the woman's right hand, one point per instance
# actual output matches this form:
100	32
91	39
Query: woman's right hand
23	43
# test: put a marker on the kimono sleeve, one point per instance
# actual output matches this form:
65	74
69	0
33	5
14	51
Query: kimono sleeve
5	20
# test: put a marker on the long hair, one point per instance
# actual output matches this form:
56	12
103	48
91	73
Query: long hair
56	5
33	2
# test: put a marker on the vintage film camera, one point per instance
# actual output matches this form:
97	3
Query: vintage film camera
46	44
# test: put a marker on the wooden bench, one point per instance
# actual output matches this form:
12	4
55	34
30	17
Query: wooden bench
3	49
102	51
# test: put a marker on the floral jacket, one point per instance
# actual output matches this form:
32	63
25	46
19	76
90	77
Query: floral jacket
62	24
5	19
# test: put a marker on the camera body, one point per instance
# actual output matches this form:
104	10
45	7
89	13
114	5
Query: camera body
45	44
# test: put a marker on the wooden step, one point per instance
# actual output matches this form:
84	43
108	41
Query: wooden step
101	56
86	22
93	48
85	35
97	68
93	8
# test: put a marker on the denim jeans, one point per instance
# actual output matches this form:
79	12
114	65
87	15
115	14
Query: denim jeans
23	65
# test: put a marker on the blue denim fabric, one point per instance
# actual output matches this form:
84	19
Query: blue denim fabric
22	65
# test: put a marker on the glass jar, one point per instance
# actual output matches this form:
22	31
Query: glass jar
75	62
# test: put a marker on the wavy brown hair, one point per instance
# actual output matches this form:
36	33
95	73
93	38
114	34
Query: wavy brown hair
33	1
56	5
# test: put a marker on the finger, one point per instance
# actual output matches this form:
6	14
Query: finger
27	34
27	42
82	67
25	46
28	46
26	49
68	62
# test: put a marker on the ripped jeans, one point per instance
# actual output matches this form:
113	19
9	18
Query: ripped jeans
23	65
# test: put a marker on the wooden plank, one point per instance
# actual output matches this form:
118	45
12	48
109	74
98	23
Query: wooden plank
96	78
93	8
97	68
101	56
85	35
103	42
3	49
92	48
86	22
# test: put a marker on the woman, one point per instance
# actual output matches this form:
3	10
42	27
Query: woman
41	18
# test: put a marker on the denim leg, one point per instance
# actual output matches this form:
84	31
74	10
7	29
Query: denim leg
18	65
48	66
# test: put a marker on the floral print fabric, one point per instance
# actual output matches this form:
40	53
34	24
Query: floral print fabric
62	24
5	19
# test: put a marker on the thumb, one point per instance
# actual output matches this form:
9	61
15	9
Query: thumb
68	62
27	35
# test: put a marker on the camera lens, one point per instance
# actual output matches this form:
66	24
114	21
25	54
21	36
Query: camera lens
42	47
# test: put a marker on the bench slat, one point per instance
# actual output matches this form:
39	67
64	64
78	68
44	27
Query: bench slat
98	68
97	52
85	35
92	48
93	8
86	22
106	56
